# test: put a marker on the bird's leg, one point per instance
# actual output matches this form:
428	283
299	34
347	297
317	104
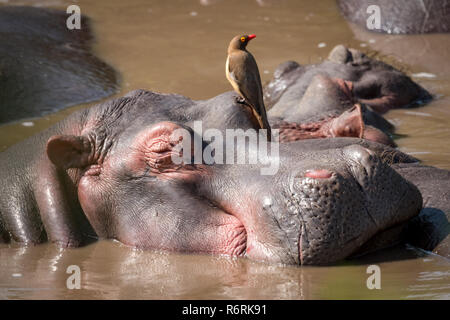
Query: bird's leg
242	100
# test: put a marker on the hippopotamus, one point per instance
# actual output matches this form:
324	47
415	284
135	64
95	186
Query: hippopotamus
108	172
431	228
44	66
399	16
373	83
425	53
317	115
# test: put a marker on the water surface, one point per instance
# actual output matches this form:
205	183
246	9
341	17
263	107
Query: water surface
180	46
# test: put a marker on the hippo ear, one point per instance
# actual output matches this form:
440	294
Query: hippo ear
349	124
340	54
374	134
68	151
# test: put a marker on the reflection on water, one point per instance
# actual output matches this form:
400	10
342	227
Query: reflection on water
180	46
113	271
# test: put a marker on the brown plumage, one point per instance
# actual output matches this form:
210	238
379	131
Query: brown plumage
242	72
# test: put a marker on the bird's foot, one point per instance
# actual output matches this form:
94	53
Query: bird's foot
241	100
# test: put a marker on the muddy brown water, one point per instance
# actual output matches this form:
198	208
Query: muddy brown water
180	46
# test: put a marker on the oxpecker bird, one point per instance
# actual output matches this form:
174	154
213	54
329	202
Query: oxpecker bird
242	72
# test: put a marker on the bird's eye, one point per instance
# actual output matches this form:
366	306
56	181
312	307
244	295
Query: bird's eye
242	39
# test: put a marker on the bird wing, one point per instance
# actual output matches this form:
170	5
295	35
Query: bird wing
243	69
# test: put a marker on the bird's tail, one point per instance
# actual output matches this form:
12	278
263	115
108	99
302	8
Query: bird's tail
263	121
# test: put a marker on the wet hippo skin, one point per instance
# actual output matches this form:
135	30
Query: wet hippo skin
368	81
44	66
400	16
106	172
433	220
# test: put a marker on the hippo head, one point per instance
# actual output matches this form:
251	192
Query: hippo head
319	207
365	79
380	85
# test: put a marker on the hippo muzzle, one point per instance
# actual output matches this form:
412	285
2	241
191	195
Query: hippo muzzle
341	206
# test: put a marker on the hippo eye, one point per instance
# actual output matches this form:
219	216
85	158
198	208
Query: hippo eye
242	39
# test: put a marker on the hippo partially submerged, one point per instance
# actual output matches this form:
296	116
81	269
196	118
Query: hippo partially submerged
399	16
368	81
44	66
107	172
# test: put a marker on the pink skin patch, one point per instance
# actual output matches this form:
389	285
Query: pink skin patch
318	174
346	86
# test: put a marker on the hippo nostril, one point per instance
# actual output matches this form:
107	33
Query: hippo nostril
318	174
